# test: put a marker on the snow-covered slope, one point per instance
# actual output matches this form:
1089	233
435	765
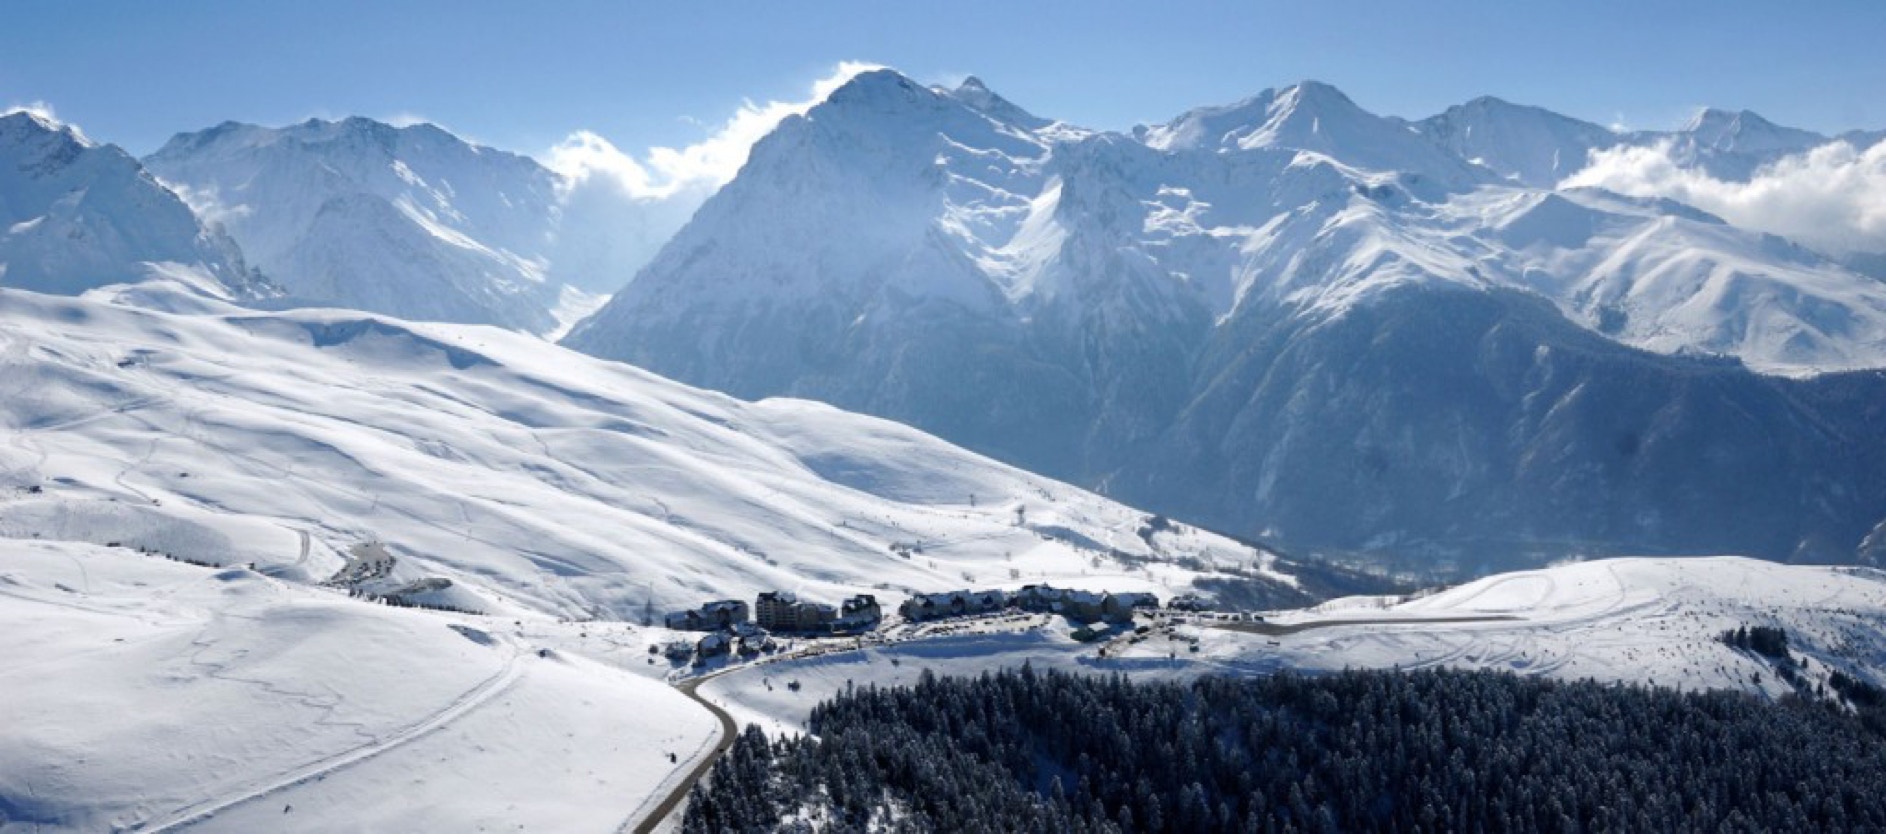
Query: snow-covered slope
1643	620
532	478
143	693
409	221
1179	317
199	505
75	215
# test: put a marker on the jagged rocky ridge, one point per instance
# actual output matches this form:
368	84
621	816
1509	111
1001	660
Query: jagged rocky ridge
76	215
1292	317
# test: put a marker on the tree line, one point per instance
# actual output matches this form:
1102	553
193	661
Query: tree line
1359	750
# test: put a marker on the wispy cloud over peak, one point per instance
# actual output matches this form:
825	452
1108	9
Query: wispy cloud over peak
663	172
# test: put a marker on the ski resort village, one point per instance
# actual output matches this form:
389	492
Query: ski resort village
442	417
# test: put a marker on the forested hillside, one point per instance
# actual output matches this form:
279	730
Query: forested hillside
1366	750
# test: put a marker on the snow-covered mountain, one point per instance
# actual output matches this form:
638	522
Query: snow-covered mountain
1293	316
1540	148
1531	145
408	221
1734	144
75	215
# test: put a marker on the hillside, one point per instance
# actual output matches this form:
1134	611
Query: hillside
534	480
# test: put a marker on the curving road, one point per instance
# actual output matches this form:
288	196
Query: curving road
680	791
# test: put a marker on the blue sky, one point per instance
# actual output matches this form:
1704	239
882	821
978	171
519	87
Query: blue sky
524	76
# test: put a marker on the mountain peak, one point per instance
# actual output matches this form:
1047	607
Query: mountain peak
1283	116
1746	131
977	95
1310	116
407	221
1521	142
1314	92
878	85
21	121
1717	118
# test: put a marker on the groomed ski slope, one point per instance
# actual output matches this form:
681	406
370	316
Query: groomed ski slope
153	695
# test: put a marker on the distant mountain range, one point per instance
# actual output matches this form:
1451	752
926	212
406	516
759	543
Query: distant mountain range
1291	317
412	221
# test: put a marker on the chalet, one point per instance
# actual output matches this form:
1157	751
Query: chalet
814	616
1083	606
1120	607
952	604
713	616
859	613
1190	602
862	605
1040	598
684	621
713	645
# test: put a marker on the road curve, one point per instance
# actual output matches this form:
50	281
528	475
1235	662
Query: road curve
1280	629
680	791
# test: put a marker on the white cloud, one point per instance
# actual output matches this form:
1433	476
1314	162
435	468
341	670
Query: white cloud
1832	197
37	108
407	118
664	172
207	203
44	112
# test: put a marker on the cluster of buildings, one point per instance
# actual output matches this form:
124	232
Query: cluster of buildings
780	611
1080	606
733	626
746	638
784	611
